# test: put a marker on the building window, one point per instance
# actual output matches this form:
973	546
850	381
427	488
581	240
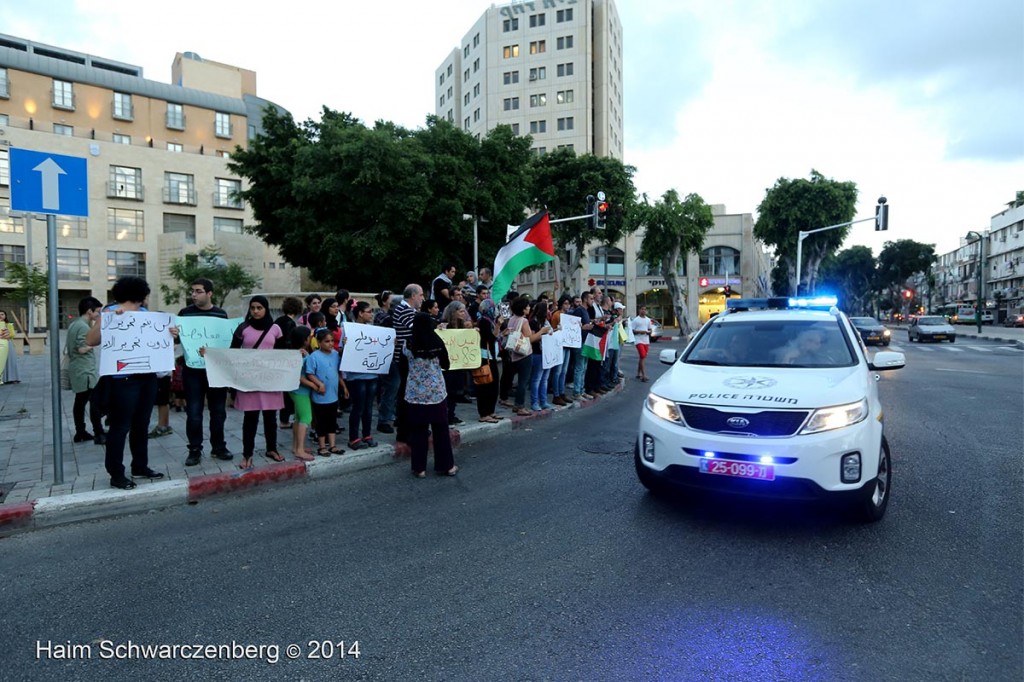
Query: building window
564	42
175	116
465	124
233	225
226	193
449	92
440	102
10	254
515	128
61	129
175	147
9	225
222	124
566	146
125	183
465	76
565	123
465	51
5	167
63	94
564	97
510	25
476	115
565	69
538	100
186	224
538	127
510	51
122	106
539	73
719	260
5	120
538	46
124	225
465	99
476	65
537	20
72	226
511	77
118	138
250	131
539	151
563	15
272	265
607	260
125	264
73	264
179	188
441	80
5	87
449	70
476	40
511	103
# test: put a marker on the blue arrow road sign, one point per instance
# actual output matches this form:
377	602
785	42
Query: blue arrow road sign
49	183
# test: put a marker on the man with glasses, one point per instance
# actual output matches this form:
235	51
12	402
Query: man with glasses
197	388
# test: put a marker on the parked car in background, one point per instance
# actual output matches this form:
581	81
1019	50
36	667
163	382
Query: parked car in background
871	331
931	328
656	330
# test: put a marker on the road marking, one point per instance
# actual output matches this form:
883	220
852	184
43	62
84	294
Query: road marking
954	350
983	349
965	371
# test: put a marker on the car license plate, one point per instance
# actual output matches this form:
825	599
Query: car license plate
939	336
874	338
724	467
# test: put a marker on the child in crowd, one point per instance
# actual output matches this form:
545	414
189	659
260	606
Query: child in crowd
323	370
317	321
299	339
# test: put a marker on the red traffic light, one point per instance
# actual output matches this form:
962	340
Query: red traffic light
703	281
907	293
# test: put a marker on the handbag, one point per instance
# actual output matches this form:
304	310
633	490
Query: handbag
482	374
65	372
518	343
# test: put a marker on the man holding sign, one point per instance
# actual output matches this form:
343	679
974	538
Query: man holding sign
208	331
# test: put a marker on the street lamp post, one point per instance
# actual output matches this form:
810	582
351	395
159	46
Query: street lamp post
980	300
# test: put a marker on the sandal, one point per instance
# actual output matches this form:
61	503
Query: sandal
522	412
335	450
451	472
419	474
496	416
324	452
246	464
304	456
488	420
274	455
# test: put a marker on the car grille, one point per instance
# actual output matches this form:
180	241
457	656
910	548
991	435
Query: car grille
768	423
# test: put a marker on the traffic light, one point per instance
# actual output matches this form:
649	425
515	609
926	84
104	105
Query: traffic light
881	215
908	294
601	214
591	212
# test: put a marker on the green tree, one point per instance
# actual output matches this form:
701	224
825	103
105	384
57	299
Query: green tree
674	229
31	284
211	264
851	273
898	261
794	206
561	182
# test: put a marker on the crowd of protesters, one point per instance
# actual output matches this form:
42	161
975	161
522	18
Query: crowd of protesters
415	399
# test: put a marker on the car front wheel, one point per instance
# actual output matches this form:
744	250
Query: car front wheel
876	499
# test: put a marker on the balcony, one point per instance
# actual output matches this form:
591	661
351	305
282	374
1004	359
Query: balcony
118	190
184	196
175	121
226	200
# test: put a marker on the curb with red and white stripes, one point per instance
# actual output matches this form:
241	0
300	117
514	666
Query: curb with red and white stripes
97	504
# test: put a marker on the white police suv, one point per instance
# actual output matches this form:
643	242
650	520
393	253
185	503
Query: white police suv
775	397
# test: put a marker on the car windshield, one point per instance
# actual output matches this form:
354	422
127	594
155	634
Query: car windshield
865	322
776	343
931	320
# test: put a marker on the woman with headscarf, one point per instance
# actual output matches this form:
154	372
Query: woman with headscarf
330	310
487	394
426	410
258	332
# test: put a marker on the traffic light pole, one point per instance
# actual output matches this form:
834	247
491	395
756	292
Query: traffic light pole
803	235
575	217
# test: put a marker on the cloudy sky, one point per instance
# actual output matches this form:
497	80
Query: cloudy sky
920	100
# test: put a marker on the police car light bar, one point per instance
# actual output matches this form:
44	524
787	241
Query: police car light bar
782	303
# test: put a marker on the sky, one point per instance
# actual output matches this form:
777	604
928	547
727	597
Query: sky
921	101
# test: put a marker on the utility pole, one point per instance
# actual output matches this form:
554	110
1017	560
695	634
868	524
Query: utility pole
881	219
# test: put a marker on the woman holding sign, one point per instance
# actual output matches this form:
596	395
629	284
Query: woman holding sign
259	332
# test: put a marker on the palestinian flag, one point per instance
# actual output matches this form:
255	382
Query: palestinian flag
529	245
594	346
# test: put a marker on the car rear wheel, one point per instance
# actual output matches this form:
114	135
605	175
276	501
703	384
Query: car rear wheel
876	499
952	339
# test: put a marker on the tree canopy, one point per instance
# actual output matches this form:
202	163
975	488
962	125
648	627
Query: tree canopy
851	275
794	206
898	261
674	228
211	264
380	206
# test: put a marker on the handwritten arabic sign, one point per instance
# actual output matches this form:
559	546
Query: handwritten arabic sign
463	347
551	349
249	370
572	331
198	331
367	348
136	343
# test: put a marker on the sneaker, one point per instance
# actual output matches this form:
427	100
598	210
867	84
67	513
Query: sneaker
369	442
385	428
123	482
536	408
355	444
455	420
159	431
546	406
194	457
587	396
224	455
148	473
83	436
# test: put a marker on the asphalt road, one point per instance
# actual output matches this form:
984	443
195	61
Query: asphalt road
545	560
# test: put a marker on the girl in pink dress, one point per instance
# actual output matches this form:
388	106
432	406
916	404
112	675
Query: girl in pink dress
258	331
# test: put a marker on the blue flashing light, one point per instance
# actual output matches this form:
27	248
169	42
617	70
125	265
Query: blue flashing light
767	460
709	455
813	302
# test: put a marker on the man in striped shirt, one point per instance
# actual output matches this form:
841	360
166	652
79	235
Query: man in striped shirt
402	314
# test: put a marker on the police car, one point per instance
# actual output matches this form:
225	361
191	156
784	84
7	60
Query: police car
774	397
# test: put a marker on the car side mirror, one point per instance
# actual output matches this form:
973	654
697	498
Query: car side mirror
885	360
668	356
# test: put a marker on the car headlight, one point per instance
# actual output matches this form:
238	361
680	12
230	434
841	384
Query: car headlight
887	333
829	418
665	409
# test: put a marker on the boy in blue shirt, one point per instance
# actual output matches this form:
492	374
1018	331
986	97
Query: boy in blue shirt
323	370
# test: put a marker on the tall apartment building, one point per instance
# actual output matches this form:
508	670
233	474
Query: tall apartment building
157	154
551	69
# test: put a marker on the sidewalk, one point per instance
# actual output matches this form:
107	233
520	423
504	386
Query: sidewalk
30	499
